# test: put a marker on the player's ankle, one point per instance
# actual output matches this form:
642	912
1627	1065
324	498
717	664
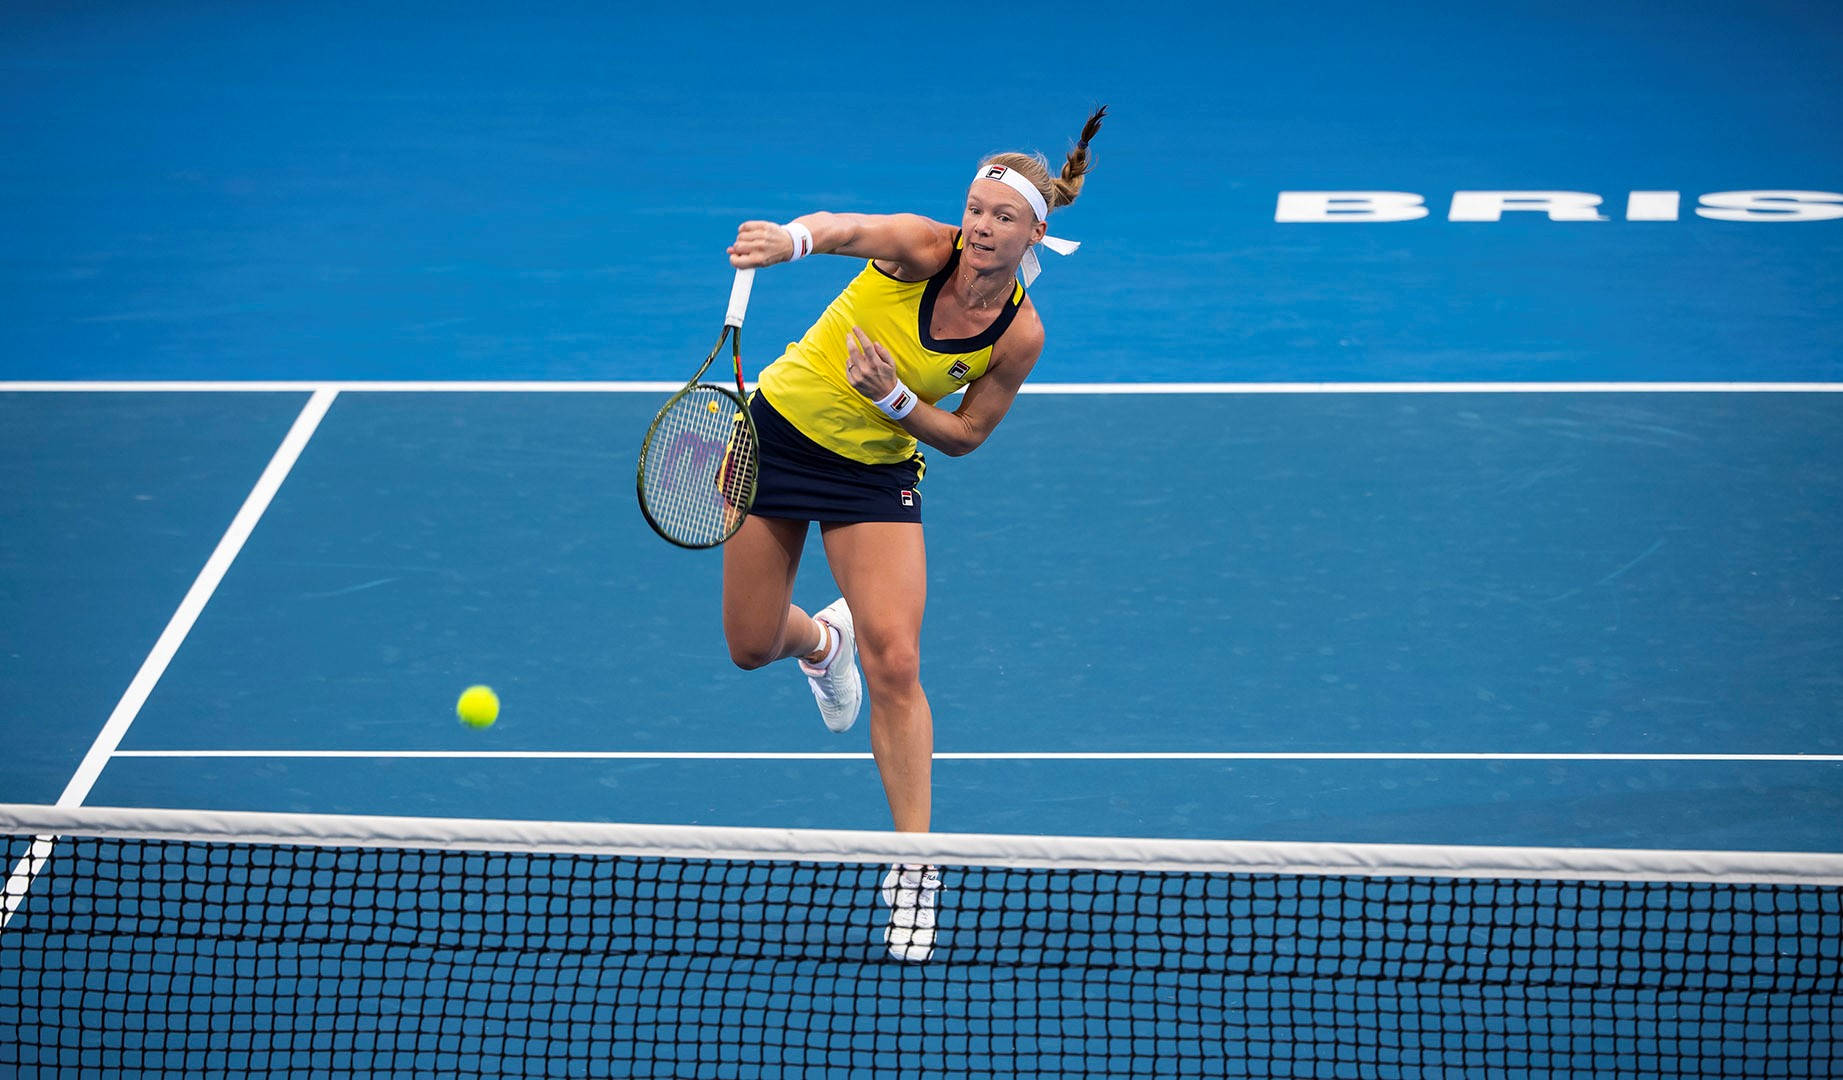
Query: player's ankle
821	656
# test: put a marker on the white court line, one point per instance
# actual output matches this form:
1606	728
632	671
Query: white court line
1440	388
303	386
1002	755
20	880
664	387
170	639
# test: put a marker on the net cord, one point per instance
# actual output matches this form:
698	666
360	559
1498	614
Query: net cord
945	849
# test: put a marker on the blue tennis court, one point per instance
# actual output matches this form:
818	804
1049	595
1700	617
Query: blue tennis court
1548	580
495	197
1437	439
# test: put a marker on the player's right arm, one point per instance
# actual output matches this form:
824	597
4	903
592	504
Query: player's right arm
908	246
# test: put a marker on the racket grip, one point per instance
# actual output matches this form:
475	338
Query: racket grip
739	297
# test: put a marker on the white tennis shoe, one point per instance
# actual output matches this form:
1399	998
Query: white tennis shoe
909	891
837	687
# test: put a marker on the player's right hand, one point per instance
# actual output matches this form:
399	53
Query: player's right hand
758	244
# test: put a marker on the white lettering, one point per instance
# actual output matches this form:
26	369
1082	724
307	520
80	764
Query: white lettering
1375	206
1559	205
1652	205
1772	206
1350	206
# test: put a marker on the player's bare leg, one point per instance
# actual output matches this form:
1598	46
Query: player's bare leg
882	569
760	622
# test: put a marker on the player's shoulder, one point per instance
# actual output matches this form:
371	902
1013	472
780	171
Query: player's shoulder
940	229
924	246
1024	337
921	226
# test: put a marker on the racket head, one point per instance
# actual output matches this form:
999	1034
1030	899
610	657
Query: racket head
698	466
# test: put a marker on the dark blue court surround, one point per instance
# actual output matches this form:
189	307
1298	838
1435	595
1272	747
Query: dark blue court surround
470	190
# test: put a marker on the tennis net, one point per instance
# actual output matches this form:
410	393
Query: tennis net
145	942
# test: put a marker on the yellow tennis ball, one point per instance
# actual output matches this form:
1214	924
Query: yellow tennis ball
478	707
714	406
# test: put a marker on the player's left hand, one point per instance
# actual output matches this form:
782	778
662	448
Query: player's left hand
868	365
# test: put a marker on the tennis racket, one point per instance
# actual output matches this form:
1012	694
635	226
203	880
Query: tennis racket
696	479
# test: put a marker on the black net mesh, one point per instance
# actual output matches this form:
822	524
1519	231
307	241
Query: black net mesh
200	958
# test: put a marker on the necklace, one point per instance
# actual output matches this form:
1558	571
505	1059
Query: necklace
983	302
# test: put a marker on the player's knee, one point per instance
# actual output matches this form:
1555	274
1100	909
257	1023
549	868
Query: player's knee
890	664
751	654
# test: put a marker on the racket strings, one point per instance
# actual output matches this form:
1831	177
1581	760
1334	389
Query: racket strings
699	471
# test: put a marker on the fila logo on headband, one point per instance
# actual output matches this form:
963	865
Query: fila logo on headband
996	172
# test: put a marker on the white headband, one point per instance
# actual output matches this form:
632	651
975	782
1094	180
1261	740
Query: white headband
1017	182
1029	268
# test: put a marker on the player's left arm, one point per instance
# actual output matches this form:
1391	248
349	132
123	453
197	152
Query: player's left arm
984	403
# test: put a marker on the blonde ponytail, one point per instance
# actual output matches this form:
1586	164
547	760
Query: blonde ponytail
1062	189
1068	185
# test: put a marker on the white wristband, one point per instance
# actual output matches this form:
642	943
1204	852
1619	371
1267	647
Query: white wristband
802	238
898	403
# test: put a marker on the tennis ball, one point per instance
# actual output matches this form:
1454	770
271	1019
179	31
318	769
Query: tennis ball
714	406
478	707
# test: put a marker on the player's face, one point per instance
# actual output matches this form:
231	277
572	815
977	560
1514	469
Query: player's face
998	226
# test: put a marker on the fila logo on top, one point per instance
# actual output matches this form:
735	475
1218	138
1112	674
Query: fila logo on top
1378	206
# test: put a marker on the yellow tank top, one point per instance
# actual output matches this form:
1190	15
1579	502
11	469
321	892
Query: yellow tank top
808	386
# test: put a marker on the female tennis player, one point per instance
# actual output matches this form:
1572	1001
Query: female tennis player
937	308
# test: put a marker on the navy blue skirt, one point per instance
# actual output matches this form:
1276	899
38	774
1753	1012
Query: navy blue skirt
803	481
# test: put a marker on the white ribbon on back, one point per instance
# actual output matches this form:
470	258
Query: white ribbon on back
1029	267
